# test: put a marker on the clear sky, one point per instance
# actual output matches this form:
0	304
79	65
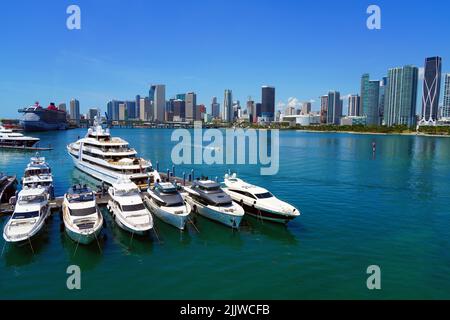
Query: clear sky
303	48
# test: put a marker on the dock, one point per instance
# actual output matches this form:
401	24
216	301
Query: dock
26	148
102	198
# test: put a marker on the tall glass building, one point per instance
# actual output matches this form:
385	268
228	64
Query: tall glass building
228	113
268	103
334	110
431	90
354	105
401	96
370	95
446	105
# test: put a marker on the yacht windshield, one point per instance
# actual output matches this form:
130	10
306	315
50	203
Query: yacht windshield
83	212
127	193
31	199
133	207
26	215
210	189
264	195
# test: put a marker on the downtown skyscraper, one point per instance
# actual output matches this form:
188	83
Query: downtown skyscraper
354	105
228	112
334	108
370	95
268	103
75	110
215	108
446	105
431	90
401	96
159	102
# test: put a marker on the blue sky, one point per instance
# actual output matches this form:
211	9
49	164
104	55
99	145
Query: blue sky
304	48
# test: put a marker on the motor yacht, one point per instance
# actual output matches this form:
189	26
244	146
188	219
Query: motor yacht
82	218
9	138
165	202
108	158
31	211
8	187
38	173
127	207
259	202
208	199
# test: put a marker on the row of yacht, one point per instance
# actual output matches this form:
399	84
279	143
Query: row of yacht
137	193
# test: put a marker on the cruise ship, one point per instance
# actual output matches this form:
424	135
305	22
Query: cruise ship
108	158
37	118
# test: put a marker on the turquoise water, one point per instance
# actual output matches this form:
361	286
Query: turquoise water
390	210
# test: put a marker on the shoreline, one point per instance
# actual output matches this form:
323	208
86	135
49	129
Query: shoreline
418	134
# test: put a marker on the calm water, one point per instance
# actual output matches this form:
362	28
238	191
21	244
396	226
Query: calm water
392	211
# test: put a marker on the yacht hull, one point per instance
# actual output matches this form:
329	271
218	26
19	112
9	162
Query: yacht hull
123	225
34	232
178	221
267	215
209	212
84	239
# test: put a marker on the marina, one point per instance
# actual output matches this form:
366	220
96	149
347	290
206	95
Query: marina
330	243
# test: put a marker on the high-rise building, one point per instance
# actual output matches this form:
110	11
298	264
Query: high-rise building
228	113
354	105
75	110
251	109
144	109
123	115
268	103
215	108
258	107
323	109
431	90
179	110
401	96
370	97
138	104
93	113
181	96
159	102
381	102
191	106
306	108
446	104
131	109
334	110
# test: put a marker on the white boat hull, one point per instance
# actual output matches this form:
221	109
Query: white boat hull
215	214
124	226
37	228
83	238
177	220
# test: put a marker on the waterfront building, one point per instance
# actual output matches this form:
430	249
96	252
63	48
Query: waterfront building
401	96
354	105
215	108
446	104
137	106
191	106
179	109
431	90
306	108
131	110
145	113
267	103
334	108
381	102
228	113
159	102
93	113
290	111
354	121
123	116
302	119
75	110
323	109
370	97
257	115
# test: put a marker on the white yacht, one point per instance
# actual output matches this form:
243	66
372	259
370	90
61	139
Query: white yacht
8	138
30	213
166	203
127	208
208	199
82	219
38	173
258	201
108	158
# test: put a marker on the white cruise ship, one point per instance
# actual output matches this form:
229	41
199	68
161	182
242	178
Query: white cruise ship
109	158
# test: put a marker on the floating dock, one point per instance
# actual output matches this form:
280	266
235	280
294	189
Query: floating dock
26	148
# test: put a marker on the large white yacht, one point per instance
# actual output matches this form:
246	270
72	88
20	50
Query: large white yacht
207	198
82	219
30	213
166	203
8	138
108	158
38	173
258	201
127	207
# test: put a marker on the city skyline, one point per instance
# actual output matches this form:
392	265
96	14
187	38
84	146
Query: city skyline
91	66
